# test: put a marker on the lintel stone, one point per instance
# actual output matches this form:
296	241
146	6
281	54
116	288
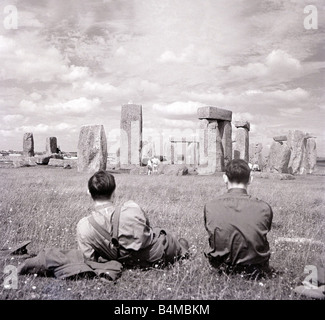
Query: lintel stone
242	124
280	138
214	113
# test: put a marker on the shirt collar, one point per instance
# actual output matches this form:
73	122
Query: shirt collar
107	204
237	191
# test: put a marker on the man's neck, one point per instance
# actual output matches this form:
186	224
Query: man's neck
235	185
103	202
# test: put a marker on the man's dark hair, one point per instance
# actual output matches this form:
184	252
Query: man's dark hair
237	170
101	185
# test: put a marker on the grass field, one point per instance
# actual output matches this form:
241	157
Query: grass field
44	204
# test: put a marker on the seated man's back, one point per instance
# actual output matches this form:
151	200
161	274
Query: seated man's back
237	225
123	232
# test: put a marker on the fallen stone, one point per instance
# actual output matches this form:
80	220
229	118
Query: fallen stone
273	175
19	162
173	169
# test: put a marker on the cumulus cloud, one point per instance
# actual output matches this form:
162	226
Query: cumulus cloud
35	96
76	73
80	105
29	58
27	105
178	108
44	128
12	118
278	64
169	56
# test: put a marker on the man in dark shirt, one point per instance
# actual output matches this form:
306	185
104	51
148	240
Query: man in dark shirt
237	225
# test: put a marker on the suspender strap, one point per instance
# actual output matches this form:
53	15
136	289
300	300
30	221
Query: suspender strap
116	221
102	231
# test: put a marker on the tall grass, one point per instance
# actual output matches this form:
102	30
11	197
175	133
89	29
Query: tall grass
44	204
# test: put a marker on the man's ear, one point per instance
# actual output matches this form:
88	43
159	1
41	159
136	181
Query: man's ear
225	178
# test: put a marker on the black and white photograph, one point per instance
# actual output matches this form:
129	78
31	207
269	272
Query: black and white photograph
162	155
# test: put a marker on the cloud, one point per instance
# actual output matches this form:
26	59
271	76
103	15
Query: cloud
76	73
44	128
29	58
28	19
12	118
169	56
290	112
181	124
80	105
27	105
278	64
178	108
35	96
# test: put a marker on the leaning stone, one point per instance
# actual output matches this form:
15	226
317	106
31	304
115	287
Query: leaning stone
214	113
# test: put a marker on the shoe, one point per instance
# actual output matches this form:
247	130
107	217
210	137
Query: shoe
184	243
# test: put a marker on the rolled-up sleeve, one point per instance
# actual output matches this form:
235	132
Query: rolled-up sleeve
83	241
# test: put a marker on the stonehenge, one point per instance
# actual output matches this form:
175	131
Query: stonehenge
207	152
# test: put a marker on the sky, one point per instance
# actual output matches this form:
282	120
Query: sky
72	63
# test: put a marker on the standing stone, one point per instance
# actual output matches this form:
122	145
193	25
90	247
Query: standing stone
131	134
51	145
215	161
241	148
203	141
92	148
279	157
311	155
148	150
297	144
28	144
215	154
255	155
226	139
